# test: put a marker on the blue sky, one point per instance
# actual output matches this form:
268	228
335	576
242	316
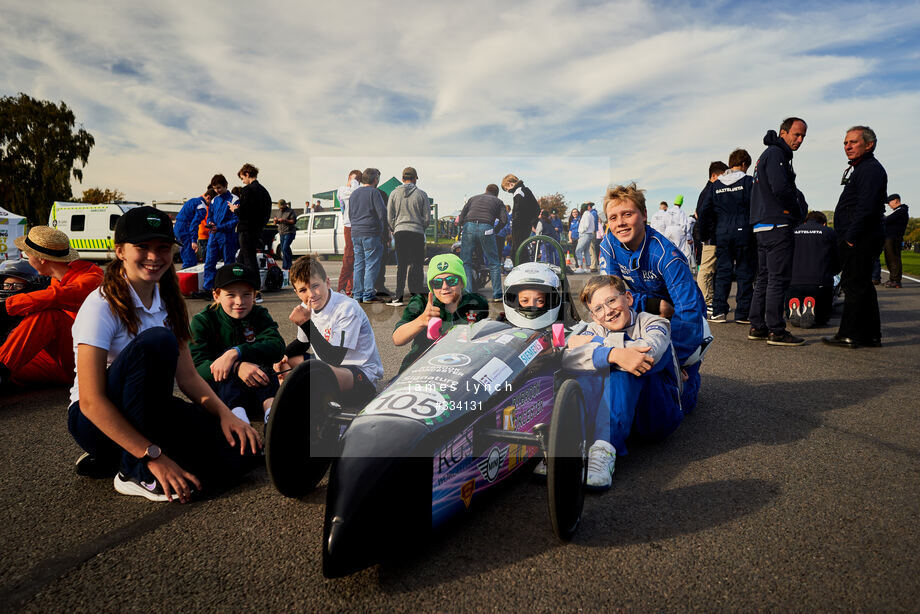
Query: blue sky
569	96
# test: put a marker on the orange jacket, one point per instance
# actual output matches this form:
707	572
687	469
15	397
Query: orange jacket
67	294
203	231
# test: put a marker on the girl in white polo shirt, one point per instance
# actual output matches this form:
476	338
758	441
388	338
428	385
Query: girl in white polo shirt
131	343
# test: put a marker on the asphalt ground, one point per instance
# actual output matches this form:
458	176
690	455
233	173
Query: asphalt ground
795	485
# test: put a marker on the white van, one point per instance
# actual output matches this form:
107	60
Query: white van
89	227
320	233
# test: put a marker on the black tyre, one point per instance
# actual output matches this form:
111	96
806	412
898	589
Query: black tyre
299	437
566	462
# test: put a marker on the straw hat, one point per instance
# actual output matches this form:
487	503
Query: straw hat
48	243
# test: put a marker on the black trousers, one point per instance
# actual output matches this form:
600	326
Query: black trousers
520	230
410	258
735	256
860	320
250	241
775	249
893	258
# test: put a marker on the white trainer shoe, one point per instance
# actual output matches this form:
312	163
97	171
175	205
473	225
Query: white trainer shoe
601	458
540	469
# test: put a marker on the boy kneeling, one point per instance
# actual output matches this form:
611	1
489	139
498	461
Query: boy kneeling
627	361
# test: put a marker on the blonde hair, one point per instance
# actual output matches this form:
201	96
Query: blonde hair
600	281
509	180
626	192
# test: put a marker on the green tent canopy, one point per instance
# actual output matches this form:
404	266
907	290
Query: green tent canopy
330	195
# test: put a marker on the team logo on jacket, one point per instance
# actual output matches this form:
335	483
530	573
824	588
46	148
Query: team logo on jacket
248	334
490	466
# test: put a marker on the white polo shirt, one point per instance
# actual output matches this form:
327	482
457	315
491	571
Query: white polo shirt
343	323
98	326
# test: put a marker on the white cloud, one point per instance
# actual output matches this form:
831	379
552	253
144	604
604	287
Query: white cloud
569	97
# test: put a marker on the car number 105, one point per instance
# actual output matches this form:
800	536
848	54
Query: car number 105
418	404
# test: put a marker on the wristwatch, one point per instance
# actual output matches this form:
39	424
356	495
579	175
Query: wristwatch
151	453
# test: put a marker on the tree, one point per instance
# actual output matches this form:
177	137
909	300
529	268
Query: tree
98	195
554	203
38	153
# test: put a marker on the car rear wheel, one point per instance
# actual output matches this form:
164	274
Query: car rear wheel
300	438
566	462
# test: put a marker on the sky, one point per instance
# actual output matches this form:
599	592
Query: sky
570	96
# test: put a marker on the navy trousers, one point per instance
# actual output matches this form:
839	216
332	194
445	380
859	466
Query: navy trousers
140	384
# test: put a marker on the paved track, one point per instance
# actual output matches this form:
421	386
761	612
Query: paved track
794	486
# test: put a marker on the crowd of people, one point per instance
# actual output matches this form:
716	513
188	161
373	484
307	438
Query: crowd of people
122	336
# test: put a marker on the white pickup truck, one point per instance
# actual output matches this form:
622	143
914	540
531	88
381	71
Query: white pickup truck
321	233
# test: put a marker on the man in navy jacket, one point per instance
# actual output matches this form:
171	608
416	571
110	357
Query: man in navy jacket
858	220
895	225
775	212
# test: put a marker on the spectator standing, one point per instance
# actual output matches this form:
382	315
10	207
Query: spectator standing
677	230
477	221
574	220
222	226
659	220
40	348
895	224
705	232
775	212
368	214
811	293
595	243
858	220
286	232
254	210
190	216
728	206
587	226
524	213
545	227
346	274
408	214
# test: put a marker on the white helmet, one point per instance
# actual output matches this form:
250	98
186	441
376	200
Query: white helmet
532	276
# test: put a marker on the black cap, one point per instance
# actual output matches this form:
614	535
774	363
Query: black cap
143	224
893	197
232	273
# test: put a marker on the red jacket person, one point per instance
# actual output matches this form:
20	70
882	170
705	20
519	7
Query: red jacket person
40	348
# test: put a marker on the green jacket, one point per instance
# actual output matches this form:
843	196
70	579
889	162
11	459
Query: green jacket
214	332
469	302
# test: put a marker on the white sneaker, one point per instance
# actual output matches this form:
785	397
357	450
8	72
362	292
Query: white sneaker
134	487
601	459
540	469
579	270
396	302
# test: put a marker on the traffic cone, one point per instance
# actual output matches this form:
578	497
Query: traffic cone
569	261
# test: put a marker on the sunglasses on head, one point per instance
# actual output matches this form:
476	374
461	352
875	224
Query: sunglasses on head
450	280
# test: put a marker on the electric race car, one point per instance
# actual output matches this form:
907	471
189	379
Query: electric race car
483	402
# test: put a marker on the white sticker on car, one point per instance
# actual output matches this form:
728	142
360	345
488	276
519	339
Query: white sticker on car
531	352
419	403
493	374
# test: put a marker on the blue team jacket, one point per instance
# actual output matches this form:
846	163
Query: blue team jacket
659	270
189	217
221	215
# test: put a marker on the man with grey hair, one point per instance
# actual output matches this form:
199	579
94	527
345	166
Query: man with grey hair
858	220
369	230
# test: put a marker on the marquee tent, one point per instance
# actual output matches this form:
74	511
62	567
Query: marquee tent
11	227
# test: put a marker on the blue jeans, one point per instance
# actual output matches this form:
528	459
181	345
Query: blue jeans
139	383
368	257
475	232
582	251
285	245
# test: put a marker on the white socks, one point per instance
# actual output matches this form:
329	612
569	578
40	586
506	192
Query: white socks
240	413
